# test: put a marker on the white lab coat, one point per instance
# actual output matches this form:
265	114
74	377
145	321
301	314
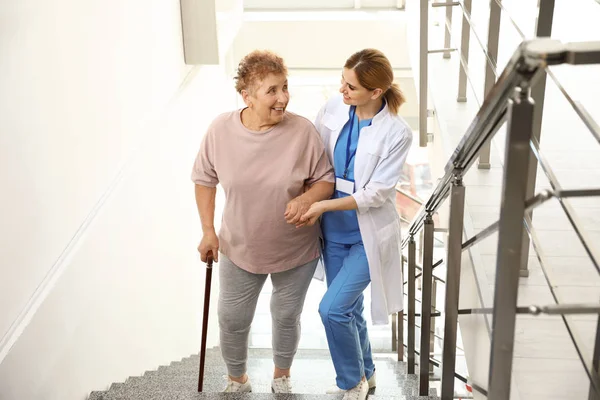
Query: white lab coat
380	155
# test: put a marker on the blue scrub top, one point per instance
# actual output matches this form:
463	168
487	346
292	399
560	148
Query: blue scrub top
342	226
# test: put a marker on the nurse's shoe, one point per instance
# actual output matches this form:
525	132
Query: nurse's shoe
336	390
236	387
359	392
372	381
281	385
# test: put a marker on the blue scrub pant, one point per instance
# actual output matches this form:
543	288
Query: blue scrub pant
341	310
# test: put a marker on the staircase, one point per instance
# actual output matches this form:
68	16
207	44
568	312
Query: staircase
312	374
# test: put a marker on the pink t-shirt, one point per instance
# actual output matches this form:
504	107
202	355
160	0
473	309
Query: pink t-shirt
260	173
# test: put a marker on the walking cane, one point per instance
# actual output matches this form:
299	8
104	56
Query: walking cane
209	265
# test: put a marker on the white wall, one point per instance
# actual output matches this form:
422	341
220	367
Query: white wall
326	39
318	4
89	90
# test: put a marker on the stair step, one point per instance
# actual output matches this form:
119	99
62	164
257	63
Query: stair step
217	384
312	374
241	396
213	356
265	359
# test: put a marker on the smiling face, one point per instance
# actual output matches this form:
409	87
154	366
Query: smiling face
354	93
268	98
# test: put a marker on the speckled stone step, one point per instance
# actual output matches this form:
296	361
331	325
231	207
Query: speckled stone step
242	396
216	383
312	374
407	387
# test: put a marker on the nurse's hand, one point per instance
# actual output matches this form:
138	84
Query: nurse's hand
295	209
310	217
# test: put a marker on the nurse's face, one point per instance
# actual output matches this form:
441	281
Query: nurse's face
354	93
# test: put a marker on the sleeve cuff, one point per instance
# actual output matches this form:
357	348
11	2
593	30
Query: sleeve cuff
204	183
359	197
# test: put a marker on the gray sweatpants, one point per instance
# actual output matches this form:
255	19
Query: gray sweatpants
238	295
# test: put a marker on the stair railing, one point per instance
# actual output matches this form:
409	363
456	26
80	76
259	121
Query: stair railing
508	100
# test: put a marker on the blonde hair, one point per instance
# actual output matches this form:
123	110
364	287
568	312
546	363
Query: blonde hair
255	67
374	71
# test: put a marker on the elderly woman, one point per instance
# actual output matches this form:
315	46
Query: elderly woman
272	166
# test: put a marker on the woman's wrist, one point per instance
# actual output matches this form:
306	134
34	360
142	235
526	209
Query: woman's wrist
323	205
307	196
318	192
208	230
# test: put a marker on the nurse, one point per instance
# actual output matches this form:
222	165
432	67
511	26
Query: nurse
367	142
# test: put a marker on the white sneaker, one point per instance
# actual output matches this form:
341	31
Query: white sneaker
372	381
336	390
236	387
359	392
281	385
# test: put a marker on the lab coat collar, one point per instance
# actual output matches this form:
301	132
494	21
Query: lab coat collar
344	112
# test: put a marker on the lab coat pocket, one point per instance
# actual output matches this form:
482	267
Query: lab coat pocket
378	148
389	242
372	161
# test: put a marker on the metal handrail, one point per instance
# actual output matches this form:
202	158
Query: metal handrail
528	61
557	309
468	19
517	96
507	100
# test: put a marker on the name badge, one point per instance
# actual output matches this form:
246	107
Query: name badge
344	186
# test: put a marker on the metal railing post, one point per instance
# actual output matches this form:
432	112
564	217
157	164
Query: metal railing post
464	53
434	284
448	34
421	241
423	71
400	334
453	266
426	278
412	267
510	242
538	90
394	332
490	71
593	395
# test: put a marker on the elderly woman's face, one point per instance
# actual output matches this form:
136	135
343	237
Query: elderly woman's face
269	98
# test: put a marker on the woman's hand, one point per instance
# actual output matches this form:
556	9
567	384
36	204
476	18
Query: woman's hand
295	209
209	243
310	217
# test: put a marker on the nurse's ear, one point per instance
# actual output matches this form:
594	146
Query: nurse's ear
376	94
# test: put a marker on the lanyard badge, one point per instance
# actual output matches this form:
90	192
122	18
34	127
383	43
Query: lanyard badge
349	156
343	184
